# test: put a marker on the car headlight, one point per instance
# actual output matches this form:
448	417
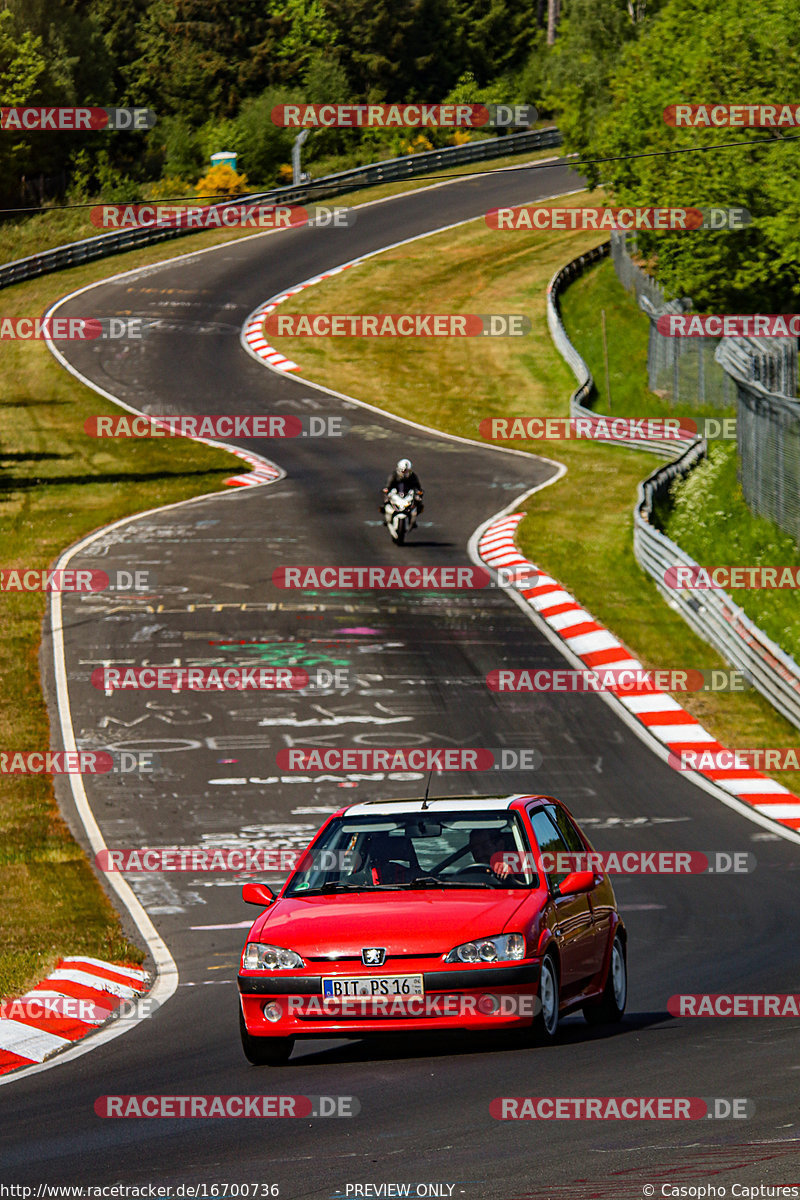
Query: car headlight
259	957
492	949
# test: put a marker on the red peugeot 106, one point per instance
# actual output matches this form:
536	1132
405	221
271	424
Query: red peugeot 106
433	914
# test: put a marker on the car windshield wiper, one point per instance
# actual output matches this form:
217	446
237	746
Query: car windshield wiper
434	881
338	886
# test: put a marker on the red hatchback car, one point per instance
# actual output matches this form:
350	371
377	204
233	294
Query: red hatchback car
428	915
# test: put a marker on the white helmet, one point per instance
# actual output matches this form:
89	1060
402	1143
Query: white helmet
403	466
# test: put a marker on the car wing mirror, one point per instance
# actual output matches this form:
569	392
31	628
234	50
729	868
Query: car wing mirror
575	883
258	893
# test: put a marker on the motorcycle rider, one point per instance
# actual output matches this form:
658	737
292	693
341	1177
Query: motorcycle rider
404	479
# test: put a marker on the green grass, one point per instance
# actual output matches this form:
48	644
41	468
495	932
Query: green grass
56	485
627	328
580	529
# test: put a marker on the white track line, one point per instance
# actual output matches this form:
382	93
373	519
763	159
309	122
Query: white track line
603	638
167	972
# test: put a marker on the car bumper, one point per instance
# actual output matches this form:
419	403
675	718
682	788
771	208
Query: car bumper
479	998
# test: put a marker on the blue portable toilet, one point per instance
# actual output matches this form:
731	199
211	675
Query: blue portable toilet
228	157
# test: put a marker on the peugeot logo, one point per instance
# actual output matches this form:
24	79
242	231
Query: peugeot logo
373	957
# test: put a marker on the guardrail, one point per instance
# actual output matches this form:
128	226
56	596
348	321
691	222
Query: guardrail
666	447
408	167
711	613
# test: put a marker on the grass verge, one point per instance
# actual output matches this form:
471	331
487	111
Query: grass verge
56	485
452	385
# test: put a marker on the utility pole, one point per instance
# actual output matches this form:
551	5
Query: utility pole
298	141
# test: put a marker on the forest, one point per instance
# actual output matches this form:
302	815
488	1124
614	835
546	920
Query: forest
602	70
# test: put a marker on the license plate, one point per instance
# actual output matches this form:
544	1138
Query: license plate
373	986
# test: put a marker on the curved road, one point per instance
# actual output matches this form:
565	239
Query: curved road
417	665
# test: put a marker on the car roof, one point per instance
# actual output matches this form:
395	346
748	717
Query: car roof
465	804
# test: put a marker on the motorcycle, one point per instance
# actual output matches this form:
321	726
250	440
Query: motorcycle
400	514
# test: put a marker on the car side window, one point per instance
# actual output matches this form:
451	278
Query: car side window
550	841
566	829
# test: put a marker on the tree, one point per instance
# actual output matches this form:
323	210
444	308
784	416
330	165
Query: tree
22	69
592	36
698	51
395	53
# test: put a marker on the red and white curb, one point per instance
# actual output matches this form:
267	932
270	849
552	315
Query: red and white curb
664	718
253	331
262	471
105	985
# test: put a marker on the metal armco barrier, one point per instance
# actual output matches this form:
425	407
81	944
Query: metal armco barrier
668	447
391	169
711	613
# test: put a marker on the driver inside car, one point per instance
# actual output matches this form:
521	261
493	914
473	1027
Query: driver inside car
487	845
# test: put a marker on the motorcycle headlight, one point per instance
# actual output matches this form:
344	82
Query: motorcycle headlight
504	947
260	957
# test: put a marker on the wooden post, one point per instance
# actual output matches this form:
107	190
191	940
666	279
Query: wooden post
605	358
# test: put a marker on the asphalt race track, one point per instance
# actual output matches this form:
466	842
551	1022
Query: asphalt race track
417	666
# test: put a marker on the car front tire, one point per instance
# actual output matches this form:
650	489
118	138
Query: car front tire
264	1051
545	1023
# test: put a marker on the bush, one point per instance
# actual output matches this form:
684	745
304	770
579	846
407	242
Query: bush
221	182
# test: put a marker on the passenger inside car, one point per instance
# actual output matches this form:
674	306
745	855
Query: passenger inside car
391	859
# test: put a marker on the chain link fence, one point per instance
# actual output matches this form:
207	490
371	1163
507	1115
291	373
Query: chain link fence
759	376
767	425
681	370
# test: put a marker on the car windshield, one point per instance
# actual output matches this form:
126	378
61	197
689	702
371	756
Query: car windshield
420	850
